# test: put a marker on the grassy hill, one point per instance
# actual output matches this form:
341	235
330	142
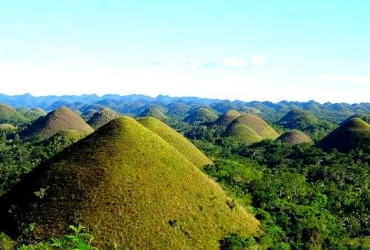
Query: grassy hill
153	112
31	114
242	133
185	147
132	187
226	118
102	117
201	115
351	134
55	121
298	119
306	122
256	124
11	116
294	137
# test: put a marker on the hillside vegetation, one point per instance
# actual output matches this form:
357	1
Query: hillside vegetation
133	188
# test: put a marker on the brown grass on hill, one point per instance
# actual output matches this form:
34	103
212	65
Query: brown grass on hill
55	121
294	137
102	117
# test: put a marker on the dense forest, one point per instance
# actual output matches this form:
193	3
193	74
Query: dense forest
300	169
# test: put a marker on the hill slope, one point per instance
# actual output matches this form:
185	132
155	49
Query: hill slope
226	118
11	116
256	124
132	187
55	121
201	115
185	147
153	112
351	134
294	137
102	117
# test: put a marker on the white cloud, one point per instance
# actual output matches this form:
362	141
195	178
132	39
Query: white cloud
233	62
259	60
365	80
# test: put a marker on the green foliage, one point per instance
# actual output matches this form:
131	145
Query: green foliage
236	242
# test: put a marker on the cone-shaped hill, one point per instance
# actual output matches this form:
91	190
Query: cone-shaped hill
201	115
351	134
185	147
226	118
7	129
298	119
102	117
132	187
294	137
153	112
11	116
39	111
55	121
250	128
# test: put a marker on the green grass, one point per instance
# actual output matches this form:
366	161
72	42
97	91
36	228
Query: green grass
351	134
55	121
201	115
102	117
153	112
294	137
133	188
185	147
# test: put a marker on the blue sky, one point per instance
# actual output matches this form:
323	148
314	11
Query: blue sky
248	50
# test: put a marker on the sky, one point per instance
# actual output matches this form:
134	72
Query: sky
265	50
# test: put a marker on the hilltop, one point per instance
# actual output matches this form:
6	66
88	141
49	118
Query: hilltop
226	118
351	134
101	117
11	116
55	121
250	127
153	112
185	147
132	187
201	115
294	137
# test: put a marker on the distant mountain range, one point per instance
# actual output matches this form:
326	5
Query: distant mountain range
135	104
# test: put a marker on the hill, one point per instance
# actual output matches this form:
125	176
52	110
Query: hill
185	147
242	133
298	119
55	121
132	187
102	117
306	122
201	115
256	124
351	134
226	118
11	116
294	137
153	112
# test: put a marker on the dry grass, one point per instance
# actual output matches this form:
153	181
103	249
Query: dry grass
294	137
55	121
228	117
102	117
